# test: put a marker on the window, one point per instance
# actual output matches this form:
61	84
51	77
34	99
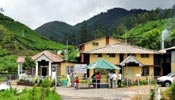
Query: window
98	55
145	71
132	55
144	55
69	69
111	55
95	44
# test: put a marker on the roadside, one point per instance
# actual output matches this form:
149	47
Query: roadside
100	94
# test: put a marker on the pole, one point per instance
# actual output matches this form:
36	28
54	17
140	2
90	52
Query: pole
66	54
126	63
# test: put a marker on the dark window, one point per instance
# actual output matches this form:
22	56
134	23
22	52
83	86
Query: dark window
145	55
69	69
95	44
97	55
145	71
111	55
132	55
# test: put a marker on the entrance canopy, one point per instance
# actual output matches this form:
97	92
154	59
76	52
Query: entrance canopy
131	59
102	64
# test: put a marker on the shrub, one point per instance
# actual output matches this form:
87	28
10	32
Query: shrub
169	94
46	83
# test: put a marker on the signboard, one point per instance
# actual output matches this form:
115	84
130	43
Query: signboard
138	75
80	68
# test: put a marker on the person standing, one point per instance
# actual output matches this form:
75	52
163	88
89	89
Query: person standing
98	78
73	77
68	80
110	78
77	81
93	80
114	80
119	79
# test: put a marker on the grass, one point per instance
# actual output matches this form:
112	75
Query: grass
30	94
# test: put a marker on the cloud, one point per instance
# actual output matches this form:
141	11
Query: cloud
34	13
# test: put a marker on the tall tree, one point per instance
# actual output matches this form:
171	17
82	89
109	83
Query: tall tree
84	33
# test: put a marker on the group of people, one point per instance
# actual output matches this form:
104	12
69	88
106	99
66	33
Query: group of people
115	79
96	77
72	80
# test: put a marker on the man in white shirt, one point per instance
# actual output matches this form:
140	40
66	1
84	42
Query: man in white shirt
110	78
119	79
114	82
68	80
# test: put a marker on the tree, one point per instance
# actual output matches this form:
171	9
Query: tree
98	33
84	33
29	63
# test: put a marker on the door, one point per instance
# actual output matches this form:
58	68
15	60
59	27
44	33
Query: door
44	71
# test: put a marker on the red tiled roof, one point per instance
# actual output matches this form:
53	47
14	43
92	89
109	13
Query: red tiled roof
20	59
51	56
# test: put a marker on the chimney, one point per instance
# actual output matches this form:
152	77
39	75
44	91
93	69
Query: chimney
164	36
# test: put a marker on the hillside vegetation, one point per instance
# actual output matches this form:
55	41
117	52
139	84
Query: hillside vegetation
149	35
17	39
114	22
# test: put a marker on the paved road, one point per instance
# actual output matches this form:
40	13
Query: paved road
101	94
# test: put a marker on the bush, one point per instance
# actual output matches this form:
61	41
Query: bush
46	83
36	93
169	94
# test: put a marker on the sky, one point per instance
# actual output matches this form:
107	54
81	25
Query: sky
35	13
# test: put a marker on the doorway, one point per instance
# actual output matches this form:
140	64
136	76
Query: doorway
44	71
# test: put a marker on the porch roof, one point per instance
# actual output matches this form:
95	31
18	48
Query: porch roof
131	59
102	64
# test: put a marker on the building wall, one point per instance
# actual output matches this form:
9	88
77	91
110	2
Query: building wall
63	68
146	61
132	70
173	67
113	60
101	42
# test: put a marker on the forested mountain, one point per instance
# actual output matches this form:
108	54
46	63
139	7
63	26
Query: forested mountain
115	22
17	39
57	31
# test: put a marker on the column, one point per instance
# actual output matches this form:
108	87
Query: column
19	69
36	67
49	69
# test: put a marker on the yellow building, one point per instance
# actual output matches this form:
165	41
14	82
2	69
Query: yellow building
134	61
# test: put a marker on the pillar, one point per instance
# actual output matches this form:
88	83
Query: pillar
36	67
49	69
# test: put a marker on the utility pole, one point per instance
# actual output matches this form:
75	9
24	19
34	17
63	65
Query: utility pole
66	54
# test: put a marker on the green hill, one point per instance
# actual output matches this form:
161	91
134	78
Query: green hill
56	30
17	39
148	35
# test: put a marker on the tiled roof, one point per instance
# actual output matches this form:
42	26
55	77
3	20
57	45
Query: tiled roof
20	59
51	56
122	48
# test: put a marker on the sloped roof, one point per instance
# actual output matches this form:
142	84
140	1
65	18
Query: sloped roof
20	59
131	59
49	55
122	48
102	64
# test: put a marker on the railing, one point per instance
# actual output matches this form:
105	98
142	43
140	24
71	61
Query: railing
97	83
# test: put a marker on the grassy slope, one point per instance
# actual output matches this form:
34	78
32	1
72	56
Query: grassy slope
27	44
149	34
